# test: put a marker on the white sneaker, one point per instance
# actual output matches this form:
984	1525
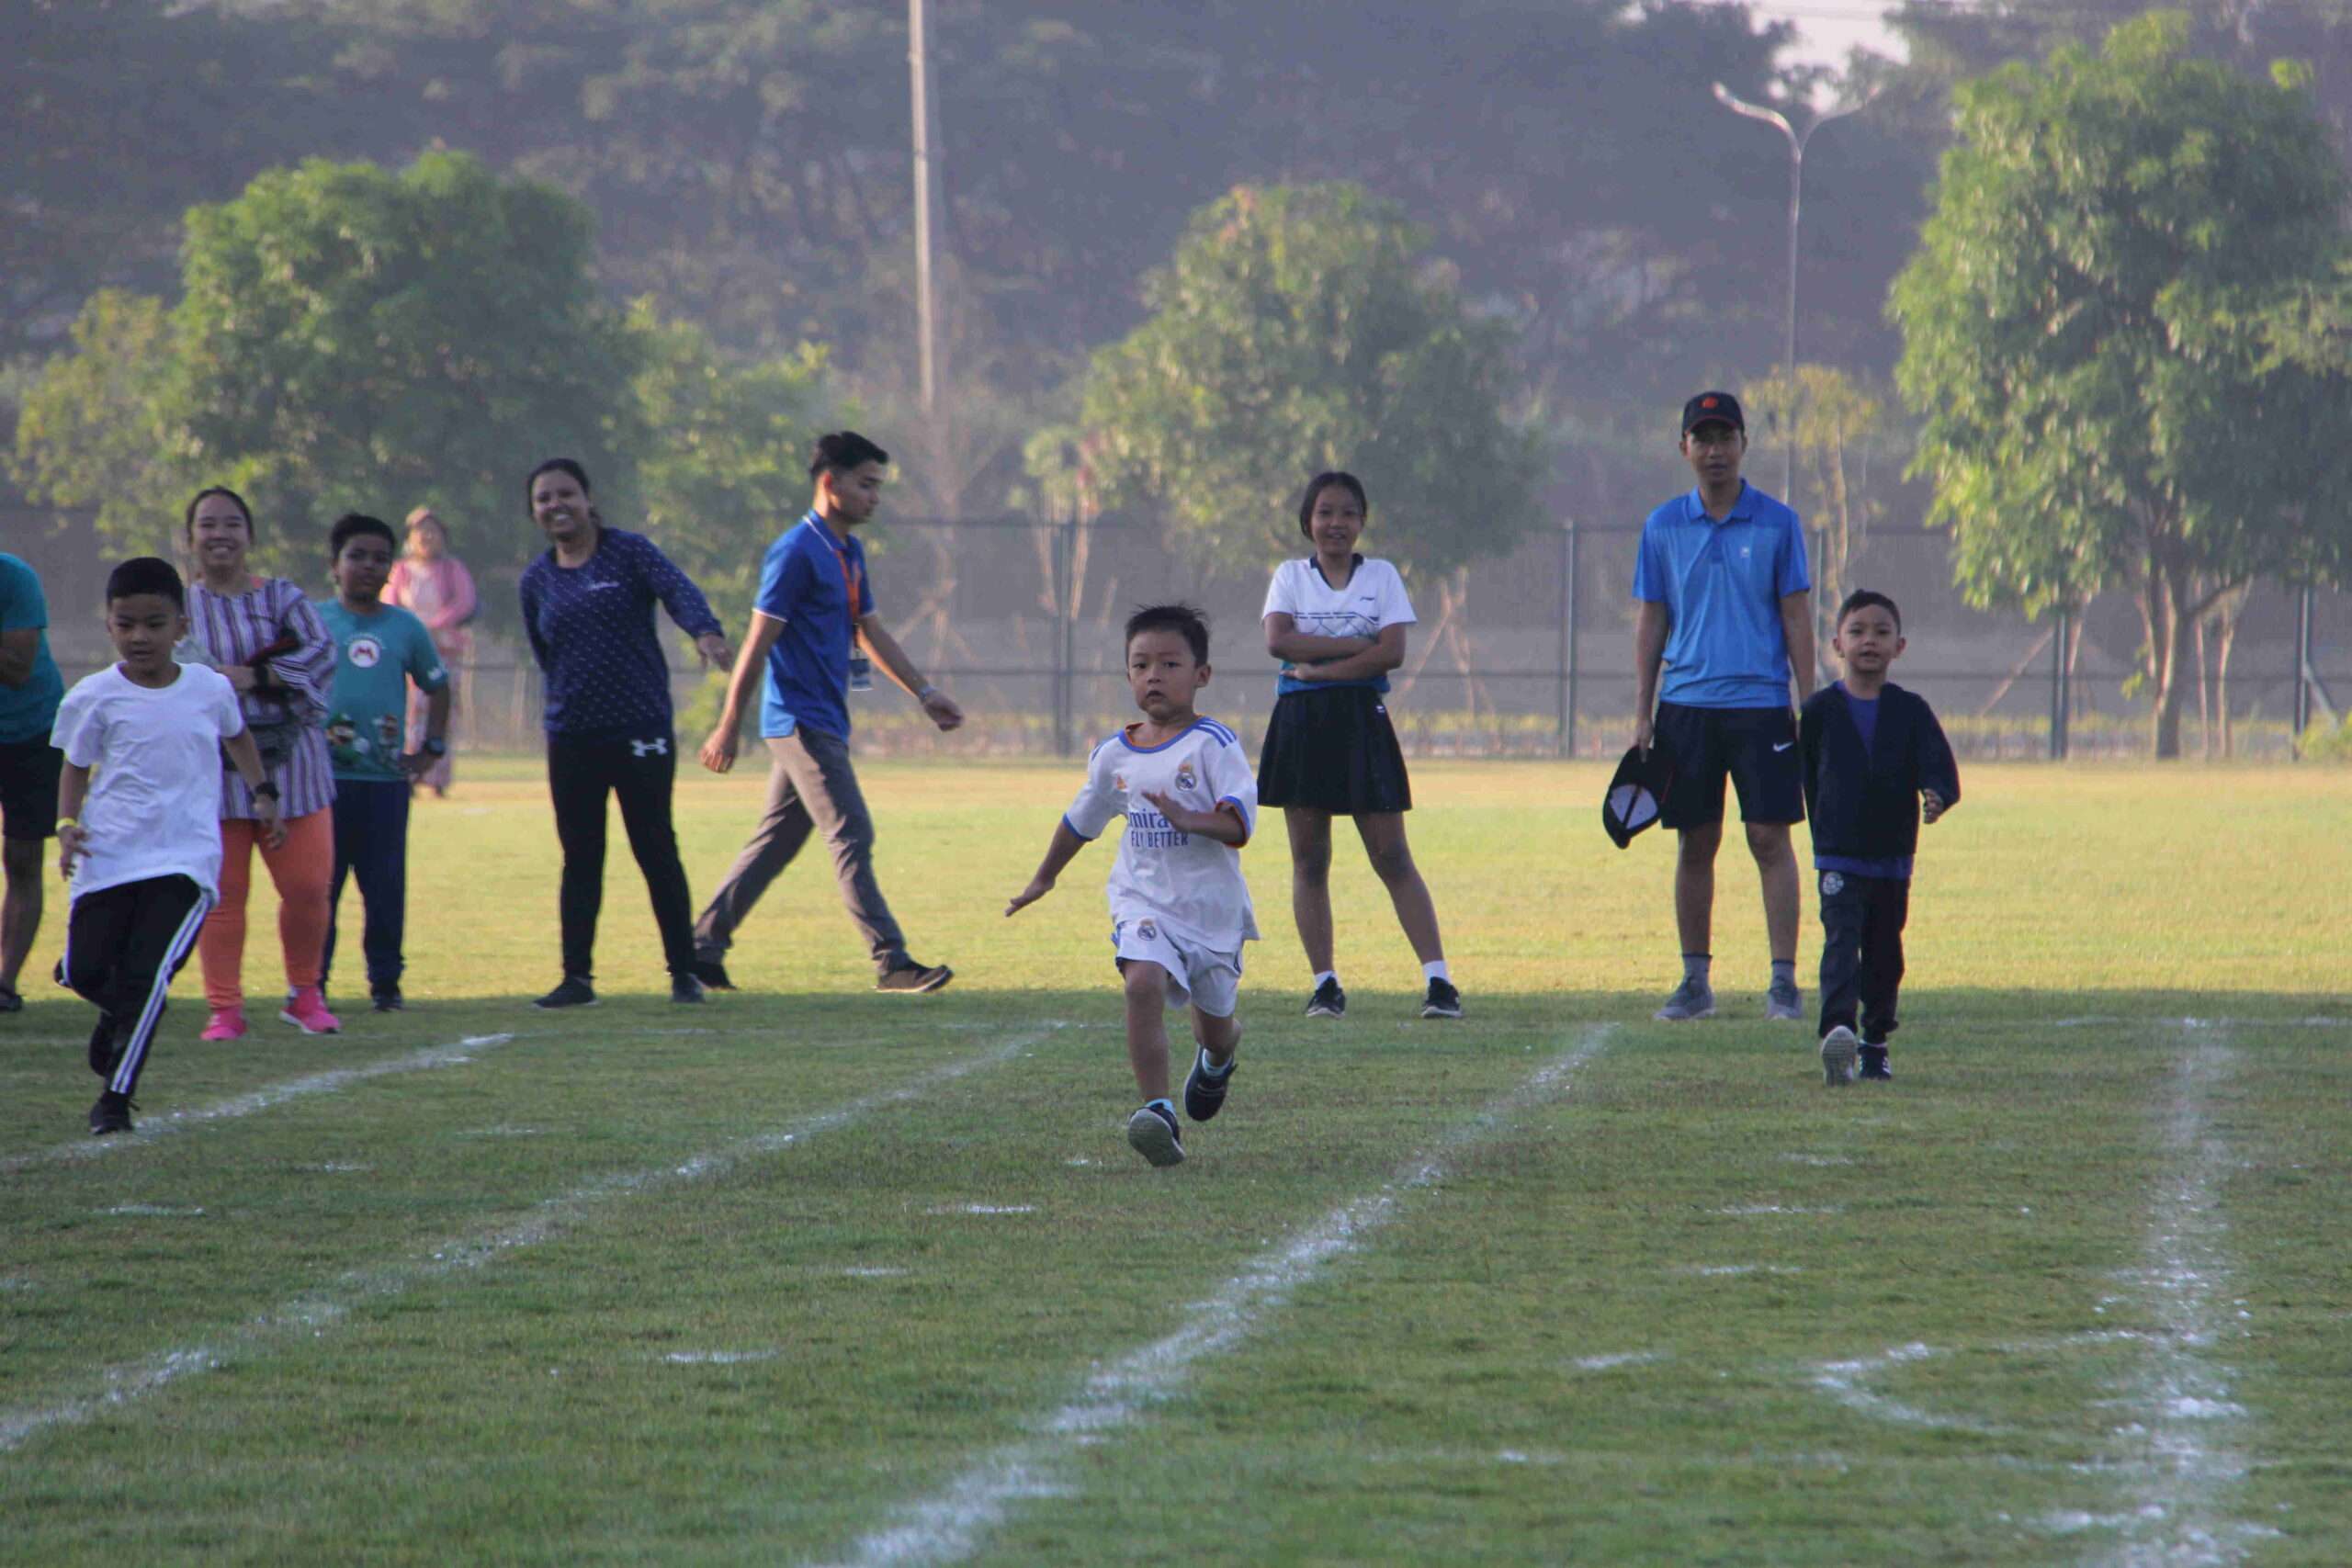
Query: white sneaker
1839	1049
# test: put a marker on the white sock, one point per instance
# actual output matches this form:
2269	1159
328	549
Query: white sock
1209	1064
1321	976
1436	970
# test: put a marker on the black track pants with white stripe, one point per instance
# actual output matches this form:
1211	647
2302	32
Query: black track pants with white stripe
123	944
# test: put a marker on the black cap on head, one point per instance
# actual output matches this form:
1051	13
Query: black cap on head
1713	407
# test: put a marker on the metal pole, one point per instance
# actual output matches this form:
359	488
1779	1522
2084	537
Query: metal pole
2058	689
1565	663
1065	722
2302	669
1789	328
926	319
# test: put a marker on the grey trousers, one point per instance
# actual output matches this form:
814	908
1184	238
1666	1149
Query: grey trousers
811	787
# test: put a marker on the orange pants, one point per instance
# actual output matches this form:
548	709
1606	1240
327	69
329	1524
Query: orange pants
302	868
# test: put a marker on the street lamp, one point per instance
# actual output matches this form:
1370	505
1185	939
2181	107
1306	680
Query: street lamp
1797	140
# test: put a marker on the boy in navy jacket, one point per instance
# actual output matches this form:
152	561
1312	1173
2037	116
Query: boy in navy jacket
1876	765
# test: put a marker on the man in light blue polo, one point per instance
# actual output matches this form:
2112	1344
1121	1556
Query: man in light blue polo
30	689
1726	609
814	607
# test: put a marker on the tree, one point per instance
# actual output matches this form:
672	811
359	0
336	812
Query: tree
2103	333
1294	330
89	432
1846	450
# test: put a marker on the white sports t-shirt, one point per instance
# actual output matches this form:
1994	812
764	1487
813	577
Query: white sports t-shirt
155	803
1372	598
1192	885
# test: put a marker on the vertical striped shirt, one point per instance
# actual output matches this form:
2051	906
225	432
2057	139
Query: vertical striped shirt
229	631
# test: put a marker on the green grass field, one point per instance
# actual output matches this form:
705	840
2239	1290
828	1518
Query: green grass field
813	1275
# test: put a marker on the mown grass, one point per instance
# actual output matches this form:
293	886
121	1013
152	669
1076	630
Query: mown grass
579	1299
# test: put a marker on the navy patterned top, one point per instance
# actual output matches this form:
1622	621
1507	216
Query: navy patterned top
592	629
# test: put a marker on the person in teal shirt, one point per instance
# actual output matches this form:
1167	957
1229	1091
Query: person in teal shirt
30	690
380	648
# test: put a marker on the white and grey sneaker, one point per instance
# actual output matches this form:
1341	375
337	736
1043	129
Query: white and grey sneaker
1151	1132
1839	1049
1784	1001
1693	999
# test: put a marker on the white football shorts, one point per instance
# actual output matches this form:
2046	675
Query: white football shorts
1197	976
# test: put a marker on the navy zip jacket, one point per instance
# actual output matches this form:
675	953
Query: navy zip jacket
1866	806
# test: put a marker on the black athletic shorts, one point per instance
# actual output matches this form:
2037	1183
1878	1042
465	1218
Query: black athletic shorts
1757	747
28	774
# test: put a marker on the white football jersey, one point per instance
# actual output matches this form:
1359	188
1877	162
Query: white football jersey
1193	885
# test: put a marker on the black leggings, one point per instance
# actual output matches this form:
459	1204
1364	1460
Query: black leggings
581	770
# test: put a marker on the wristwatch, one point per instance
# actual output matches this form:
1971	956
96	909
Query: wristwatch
435	747
265	790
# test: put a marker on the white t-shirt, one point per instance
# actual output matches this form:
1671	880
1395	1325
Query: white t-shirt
1372	597
1194	886
155	803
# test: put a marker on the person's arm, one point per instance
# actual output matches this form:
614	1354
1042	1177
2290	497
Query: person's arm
302	677
1811	723
1651	623
541	653
19	649
1222	822
245	757
464	602
1060	852
1796	623
418	762
1375	656
686	604
718	752
73	793
899	668
1939	770
1285	641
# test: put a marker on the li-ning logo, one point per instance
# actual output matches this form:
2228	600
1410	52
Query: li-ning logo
649	748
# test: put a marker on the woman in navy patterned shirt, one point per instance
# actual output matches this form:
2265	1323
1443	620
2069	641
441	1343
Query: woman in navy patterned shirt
588	610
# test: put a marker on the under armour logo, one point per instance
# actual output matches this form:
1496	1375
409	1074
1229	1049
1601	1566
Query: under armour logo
649	748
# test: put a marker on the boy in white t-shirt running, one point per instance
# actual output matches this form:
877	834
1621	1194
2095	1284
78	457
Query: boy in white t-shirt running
141	840
1179	909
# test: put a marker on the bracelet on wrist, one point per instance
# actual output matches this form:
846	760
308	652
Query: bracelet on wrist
265	790
925	691
69	822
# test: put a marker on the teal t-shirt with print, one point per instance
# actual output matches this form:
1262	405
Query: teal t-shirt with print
378	656
27	711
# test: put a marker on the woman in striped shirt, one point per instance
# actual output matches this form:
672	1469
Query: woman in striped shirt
263	635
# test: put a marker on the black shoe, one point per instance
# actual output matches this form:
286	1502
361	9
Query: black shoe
1443	1000
389	1000
911	977
106	1053
1151	1132
574	992
1874	1065
10	1000
1328	1000
1204	1092
713	974
110	1115
685	988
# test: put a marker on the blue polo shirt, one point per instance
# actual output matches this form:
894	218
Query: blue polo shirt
1721	584
28	712
817	586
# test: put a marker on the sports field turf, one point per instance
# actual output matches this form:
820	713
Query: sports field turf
813	1275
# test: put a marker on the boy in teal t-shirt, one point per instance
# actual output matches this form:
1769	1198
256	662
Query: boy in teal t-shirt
30	690
382	647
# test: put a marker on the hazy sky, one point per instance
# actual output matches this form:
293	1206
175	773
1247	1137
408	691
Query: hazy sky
1831	28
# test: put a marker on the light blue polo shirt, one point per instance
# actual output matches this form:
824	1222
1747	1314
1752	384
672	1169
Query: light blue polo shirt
28	712
817	586
1721	584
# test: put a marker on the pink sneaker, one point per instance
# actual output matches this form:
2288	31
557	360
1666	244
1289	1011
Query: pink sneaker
306	1010
227	1023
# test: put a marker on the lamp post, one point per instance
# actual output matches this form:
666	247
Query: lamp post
1797	140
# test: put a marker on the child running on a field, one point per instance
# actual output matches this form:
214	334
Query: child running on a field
1876	765
140	842
1179	909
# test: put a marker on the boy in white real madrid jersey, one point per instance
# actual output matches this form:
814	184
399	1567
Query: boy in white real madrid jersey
1179	909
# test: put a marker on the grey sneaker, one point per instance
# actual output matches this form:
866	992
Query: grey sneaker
1691	1000
1784	1001
1151	1132
1839	1049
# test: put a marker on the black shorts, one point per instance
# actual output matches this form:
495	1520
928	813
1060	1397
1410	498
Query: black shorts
1333	751
1757	747
28	774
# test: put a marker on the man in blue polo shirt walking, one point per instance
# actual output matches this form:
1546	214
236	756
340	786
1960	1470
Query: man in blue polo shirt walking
1727	607
815	607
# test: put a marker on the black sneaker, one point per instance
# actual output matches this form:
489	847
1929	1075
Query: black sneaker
1874	1068
1328	1000
574	992
1443	1000
110	1115
913	979
713	974
1204	1090
685	989
106	1053
1151	1132
389	1000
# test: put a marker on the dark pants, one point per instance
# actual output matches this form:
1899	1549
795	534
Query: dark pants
582	770
811	787
1861	951
123	944
371	843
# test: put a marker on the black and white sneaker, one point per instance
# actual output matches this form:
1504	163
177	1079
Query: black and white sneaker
574	992
106	1051
1443	1000
1204	1090
713	974
913	979
1151	1132
110	1115
1874	1068
685	989
1328	1000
